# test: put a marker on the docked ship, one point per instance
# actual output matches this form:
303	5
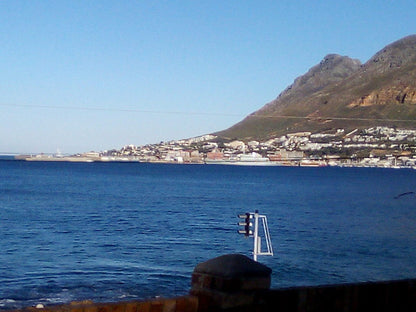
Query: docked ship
252	159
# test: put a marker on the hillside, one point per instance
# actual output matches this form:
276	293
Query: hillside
340	92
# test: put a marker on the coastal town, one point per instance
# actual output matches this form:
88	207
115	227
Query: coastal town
372	147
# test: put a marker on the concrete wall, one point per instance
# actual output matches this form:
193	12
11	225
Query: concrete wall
182	304
234	283
378	296
237	283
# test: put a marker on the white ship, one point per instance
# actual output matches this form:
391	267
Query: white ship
253	159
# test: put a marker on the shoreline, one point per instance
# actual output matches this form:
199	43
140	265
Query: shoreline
283	163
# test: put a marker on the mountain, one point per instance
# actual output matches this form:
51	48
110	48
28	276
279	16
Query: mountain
340	92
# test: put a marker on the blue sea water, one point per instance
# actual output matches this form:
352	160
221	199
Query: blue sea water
123	231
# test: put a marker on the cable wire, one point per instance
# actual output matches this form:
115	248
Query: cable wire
132	110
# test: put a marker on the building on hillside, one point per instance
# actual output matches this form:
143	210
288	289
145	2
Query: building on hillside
215	155
284	155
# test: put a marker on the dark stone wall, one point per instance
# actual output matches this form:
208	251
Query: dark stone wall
179	304
395	296
374	296
234	283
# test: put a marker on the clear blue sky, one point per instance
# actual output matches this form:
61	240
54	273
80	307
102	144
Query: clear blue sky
94	75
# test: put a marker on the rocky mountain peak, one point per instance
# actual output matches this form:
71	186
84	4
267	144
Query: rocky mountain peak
335	62
331	69
339	92
400	53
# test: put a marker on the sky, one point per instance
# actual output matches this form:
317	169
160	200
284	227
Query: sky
86	75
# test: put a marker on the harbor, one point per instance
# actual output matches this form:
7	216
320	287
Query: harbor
379	147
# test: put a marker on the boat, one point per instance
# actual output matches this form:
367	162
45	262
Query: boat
252	159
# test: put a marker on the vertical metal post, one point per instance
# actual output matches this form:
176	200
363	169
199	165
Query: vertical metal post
256	234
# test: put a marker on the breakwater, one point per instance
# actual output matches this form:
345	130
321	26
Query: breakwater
237	283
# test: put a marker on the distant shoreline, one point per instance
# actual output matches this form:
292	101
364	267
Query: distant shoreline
105	159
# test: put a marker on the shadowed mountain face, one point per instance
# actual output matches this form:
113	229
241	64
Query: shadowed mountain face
340	92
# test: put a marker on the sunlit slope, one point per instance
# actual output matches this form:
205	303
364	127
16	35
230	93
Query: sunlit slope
340	92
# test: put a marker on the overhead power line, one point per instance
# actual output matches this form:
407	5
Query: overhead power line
145	111
129	110
332	118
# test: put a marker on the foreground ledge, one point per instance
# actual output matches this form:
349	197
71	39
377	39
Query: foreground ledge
234	283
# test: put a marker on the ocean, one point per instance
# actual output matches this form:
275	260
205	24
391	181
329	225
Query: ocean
125	231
